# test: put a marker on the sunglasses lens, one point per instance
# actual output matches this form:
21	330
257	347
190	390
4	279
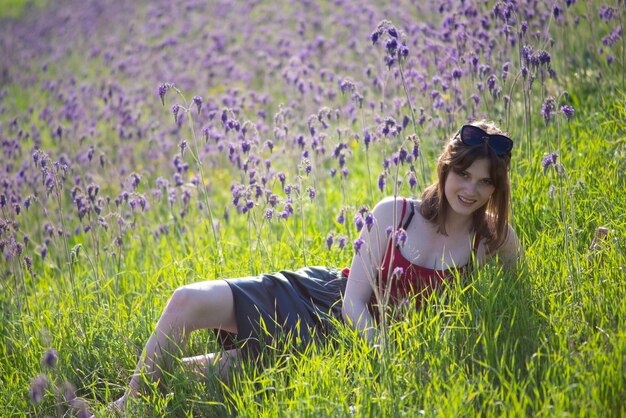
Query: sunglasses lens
501	144
472	135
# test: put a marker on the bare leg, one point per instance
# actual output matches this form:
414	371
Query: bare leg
219	362
207	304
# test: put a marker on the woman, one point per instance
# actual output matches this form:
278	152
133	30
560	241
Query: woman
462	217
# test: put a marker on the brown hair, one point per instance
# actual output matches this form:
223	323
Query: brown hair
491	220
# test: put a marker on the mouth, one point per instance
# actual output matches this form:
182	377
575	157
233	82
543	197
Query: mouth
466	202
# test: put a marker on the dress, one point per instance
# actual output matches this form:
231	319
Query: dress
301	305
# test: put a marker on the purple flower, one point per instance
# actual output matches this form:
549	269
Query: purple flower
163	88
367	138
50	358
401	237
547	109
369	221
342	241
38	388
548	160
341	217
391	45
358	243
358	222
412	180
397	272
606	13
568	111
198	102
175	109
330	239
374	37
382	182
403	51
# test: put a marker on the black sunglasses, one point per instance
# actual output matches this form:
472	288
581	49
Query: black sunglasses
472	135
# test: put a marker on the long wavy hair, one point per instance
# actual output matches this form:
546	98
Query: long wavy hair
490	222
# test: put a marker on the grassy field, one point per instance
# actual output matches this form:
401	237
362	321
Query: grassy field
150	145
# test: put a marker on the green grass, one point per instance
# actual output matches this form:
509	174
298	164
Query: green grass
17	8
505	345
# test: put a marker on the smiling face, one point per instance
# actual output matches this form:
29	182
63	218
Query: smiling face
470	189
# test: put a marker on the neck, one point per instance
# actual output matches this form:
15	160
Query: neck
458	224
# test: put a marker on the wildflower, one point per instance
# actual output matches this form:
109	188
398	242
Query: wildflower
342	241
341	219
367	138
358	222
568	111
391	45
197	100
38	388
50	358
163	88
29	264
403	51
548	160
175	109
547	109
381	182
397	272
330	239
401	237
606	13
369	221
523	28
269	213
374	37
358	243
134	179
412	180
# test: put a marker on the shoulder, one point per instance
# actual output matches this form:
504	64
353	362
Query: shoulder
392	207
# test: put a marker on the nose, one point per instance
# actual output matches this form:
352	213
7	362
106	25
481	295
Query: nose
471	188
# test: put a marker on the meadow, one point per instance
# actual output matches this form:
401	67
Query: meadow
147	145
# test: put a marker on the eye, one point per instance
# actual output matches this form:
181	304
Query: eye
463	174
487	182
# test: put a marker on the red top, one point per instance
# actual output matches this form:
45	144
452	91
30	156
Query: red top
413	279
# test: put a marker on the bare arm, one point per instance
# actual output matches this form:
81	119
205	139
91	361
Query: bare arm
365	267
511	250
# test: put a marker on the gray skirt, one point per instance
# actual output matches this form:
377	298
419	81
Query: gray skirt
289	306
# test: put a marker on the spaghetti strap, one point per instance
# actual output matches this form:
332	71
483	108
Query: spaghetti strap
403	212
408	220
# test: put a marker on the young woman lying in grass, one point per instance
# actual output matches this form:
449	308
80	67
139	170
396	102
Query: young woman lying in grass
406	249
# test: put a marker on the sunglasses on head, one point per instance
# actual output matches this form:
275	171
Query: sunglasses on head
472	135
